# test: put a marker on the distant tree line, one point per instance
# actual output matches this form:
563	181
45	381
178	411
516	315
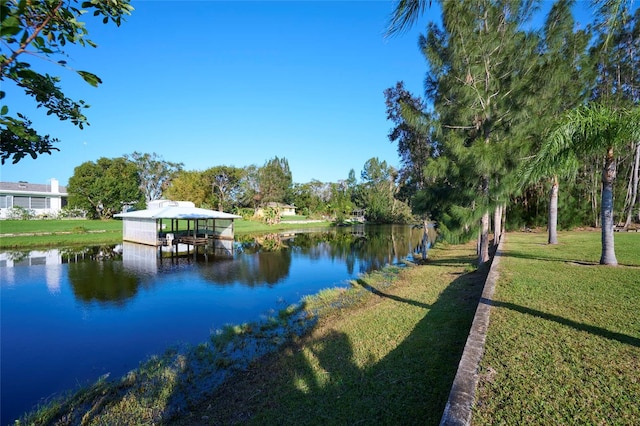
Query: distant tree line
109	185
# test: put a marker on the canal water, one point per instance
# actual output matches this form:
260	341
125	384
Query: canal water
70	316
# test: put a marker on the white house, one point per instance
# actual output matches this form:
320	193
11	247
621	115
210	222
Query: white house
42	199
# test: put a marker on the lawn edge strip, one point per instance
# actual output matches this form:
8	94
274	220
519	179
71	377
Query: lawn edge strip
459	407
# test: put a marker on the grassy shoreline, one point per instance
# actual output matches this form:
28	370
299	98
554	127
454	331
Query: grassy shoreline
33	234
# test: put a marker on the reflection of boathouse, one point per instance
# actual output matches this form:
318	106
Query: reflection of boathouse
175	224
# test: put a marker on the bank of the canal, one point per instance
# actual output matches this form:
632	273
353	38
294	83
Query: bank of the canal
392	347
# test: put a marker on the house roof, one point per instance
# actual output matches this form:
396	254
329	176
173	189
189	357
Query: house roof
177	212
31	188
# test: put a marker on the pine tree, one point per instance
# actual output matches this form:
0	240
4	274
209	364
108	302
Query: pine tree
480	66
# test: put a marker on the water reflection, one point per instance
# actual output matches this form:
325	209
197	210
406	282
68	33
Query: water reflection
113	273
105	282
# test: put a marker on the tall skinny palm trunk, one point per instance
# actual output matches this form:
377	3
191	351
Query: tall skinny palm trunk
608	176
553	211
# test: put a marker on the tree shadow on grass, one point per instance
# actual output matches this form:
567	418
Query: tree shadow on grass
562	259
528	256
362	283
320	380
592	329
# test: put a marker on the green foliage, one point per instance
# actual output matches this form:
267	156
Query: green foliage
189	186
271	215
616	53
225	184
103	188
42	29
497	89
377	194
275	181
406	14
250	187
155	174
412	134
467	145
339	206
245	213
311	198
18	139
68	212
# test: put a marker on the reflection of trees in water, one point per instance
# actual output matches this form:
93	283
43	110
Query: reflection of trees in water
102	281
370	246
90	253
17	256
262	260
374	246
251	269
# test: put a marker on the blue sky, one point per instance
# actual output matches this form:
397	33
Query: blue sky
210	83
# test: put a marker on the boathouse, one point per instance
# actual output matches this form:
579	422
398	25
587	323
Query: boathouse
166	223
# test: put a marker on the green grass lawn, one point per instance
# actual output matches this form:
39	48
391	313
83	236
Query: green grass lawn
66	225
563	345
58	233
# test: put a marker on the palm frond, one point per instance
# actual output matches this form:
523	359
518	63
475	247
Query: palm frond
405	15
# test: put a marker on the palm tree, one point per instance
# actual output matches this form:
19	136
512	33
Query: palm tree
589	129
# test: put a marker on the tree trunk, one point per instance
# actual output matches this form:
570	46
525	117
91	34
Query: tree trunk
484	239
608	176
634	186
594	201
497	225
553	212
484	228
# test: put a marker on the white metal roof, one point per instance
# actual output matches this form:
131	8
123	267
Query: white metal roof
177	212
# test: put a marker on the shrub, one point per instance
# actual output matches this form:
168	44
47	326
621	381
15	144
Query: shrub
246	213
20	213
72	213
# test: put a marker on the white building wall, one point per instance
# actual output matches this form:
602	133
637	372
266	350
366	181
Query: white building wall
223	229
143	231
